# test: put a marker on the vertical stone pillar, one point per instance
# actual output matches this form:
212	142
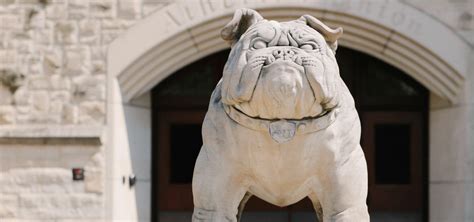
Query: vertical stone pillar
470	164
451	152
129	153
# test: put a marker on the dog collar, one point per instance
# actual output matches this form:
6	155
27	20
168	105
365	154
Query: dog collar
283	130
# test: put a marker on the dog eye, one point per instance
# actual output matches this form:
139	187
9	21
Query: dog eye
259	44
307	46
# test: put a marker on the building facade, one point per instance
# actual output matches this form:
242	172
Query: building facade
97	86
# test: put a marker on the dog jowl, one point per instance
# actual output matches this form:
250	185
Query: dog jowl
281	125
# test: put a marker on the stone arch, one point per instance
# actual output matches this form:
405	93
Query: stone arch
185	31
398	34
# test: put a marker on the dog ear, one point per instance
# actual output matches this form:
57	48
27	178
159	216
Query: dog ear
242	20
330	35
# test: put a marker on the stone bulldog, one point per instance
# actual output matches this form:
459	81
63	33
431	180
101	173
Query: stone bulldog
281	125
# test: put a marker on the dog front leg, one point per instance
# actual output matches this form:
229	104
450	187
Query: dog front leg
344	191
218	189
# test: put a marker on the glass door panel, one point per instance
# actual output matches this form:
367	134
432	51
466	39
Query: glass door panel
393	146
179	141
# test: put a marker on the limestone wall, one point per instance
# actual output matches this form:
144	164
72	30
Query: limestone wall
36	180
457	14
52	57
52	104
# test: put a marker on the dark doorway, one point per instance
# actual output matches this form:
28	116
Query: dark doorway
393	111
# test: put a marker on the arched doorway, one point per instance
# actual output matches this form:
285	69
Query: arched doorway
185	31
393	108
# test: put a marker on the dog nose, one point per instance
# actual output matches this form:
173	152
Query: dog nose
283	54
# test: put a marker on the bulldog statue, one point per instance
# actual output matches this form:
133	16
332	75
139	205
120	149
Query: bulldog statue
281	125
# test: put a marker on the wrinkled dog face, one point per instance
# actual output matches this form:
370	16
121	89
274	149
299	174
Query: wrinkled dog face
281	70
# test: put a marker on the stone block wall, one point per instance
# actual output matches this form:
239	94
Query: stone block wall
457	14
53	78
52	57
36	180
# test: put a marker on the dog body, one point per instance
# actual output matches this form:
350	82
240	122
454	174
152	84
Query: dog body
281	125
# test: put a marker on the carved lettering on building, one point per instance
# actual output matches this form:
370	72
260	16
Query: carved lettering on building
395	16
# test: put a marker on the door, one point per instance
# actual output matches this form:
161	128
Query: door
393	112
393	148
179	105
179	140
